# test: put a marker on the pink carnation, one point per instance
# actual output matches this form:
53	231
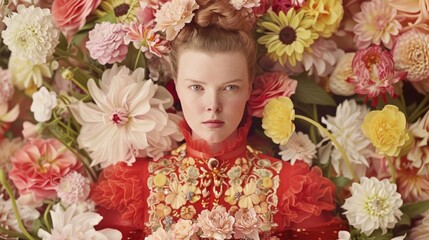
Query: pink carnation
70	15
267	86
216	223
106	43
39	166
375	74
247	224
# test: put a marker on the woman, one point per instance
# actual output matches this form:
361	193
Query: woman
215	186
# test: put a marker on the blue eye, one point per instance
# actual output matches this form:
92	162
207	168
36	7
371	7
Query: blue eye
232	87
196	87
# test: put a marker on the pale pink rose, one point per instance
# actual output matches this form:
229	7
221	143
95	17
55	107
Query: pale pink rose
39	166
216	223
267	86
375	73
184	229
6	85
70	15
106	43
173	16
247	224
161	234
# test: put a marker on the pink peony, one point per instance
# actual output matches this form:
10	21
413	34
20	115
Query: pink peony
247	224
106	43
216	224
70	15
39	166
375	74
267	86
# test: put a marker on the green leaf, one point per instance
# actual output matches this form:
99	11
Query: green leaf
341	182
310	92
109	17
63	42
415	209
405	220
79	37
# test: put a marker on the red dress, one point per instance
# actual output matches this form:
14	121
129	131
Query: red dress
293	202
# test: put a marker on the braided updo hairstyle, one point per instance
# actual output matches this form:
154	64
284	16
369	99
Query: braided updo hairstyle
217	27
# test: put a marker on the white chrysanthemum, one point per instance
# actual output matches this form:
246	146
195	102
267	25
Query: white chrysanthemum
421	230
43	104
319	59
374	204
127	117
419	153
7	150
346	128
73	224
299	147
7	216
31	34
73	188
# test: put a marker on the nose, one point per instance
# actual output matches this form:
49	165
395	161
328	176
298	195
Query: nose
213	103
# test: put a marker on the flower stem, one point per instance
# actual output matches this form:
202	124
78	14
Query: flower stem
392	169
6	185
46	215
137	59
62	53
334	140
416	113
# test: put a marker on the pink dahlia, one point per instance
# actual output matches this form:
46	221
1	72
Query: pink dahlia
375	74
267	86
39	166
106	43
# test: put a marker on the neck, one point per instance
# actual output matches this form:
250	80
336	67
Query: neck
216	147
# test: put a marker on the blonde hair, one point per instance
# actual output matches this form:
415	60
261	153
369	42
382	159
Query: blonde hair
217	28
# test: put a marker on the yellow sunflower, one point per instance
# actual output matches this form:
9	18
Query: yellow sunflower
286	36
124	10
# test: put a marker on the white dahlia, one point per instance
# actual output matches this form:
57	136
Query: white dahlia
346	128
374	204
299	147
128	115
31	34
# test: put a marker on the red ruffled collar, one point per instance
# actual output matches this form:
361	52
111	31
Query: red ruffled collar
200	148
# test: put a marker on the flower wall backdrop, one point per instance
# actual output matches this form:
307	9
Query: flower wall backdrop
343	85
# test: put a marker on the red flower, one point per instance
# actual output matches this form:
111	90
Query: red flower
267	86
119	188
306	194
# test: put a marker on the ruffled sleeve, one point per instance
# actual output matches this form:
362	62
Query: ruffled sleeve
120	195
306	200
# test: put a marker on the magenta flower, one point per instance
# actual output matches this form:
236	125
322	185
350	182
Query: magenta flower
375	74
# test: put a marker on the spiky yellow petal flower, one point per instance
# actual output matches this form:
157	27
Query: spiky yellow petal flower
286	36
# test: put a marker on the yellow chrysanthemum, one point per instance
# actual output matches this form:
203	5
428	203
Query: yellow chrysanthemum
124	10
326	15
286	36
386	129
277	119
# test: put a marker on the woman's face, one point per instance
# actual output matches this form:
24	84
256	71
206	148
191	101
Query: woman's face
213	89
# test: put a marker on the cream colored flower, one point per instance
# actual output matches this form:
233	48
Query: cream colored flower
299	147
217	223
176	197
232	194
30	34
411	54
277	119
421	230
192	193
286	36
374	204
250	196
386	129
162	210
8	116
346	128
419	153
338	79
188	212
172	16
326	15
184	229
376	24
26	75
44	102
239	4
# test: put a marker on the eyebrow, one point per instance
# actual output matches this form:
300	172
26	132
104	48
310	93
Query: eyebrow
201	82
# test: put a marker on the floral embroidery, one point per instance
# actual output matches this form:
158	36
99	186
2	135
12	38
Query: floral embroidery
181	184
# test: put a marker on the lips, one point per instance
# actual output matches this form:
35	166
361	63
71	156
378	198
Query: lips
214	123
